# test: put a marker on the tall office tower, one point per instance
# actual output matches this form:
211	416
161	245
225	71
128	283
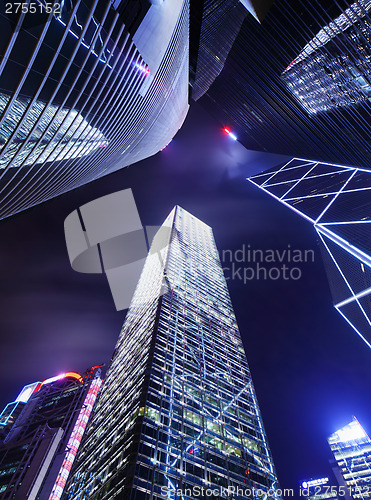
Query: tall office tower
336	200
333	69
250	98
178	410
214	26
351	447
86	89
41	444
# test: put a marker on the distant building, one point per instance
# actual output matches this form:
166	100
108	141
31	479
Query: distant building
44	434
319	489
12	410
333	69
336	200
351	447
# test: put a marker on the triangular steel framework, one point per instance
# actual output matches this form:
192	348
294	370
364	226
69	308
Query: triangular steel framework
336	199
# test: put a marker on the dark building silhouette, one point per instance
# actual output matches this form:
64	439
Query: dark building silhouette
42	440
251	98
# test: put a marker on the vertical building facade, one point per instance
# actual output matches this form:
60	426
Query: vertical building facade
86	89
178	413
336	200
251	98
40	446
351	447
333	69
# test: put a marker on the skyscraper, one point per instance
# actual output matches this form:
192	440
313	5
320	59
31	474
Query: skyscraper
42	441
89	89
351	447
336	200
333	69
178	410
250	97
86	89
214	26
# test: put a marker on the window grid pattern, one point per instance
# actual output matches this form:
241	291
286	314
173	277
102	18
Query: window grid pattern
85	103
333	70
351	447
178	408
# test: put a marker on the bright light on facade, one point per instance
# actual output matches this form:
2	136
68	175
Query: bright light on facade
351	447
75	439
178	405
231	135
314	482
351	432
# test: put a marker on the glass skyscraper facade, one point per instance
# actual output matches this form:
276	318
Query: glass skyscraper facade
178	413
336	200
351	447
85	90
333	69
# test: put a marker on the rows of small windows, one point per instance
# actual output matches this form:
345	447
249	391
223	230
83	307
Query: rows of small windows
168	445
193	316
207	378
101	470
112	418
119	390
146	476
188	347
210	378
210	399
215	303
203	306
96	450
206	468
223	417
195	381
186	315
125	384
190	338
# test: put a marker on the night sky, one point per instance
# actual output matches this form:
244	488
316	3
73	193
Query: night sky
310	369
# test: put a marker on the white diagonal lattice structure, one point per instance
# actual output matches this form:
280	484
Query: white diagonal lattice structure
336	199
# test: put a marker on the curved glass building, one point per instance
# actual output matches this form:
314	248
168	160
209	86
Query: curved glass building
86	88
